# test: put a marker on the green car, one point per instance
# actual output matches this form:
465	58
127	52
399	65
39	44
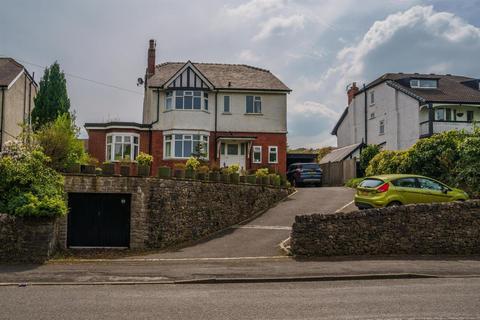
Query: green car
398	189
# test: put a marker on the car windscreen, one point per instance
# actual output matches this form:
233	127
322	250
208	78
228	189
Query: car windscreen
310	166
371	183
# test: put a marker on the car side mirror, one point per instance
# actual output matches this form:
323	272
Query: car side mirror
445	190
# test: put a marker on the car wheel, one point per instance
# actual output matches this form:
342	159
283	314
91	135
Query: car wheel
394	204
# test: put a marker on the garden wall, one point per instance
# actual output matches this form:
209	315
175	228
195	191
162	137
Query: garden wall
441	228
166	212
27	239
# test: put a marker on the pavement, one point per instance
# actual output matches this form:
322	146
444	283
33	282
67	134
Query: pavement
425	299
245	253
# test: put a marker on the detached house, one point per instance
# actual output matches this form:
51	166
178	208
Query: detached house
235	113
17	91
397	109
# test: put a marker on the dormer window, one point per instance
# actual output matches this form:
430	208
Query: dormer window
424	83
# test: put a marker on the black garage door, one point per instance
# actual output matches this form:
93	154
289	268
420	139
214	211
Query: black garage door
98	220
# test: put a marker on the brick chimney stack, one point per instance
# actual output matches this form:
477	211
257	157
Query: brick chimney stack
151	59
352	92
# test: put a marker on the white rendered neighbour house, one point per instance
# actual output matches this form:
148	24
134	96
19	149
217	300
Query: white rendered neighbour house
397	109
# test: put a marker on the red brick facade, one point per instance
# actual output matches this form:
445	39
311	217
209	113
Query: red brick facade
151	142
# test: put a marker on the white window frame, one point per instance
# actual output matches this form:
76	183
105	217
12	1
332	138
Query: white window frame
204	138
270	152
123	135
417	83
256	149
381	127
372	98
225	110
190	93
255	99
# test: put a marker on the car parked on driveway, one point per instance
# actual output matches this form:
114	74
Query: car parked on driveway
399	189
304	173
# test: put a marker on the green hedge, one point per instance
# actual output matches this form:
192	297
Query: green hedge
451	157
29	187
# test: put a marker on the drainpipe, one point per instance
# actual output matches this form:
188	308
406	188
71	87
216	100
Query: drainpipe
366	111
151	124
1	118
215	130
431	115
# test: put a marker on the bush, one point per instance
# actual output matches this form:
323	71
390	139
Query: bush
467	172
179	166
353	183
29	187
233	168
387	162
144	159
263	172
203	169
58	140
367	154
192	163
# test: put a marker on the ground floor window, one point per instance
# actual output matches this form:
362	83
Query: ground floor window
273	154
122	146
185	145
257	154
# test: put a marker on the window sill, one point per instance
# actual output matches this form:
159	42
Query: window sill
273	163
195	110
381	134
186	158
227	113
253	114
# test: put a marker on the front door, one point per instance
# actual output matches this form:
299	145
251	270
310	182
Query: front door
233	153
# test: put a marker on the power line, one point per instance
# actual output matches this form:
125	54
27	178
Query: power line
82	78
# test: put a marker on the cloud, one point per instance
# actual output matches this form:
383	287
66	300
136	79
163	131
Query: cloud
248	56
255	8
279	26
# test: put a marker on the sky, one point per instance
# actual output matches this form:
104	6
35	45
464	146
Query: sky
316	47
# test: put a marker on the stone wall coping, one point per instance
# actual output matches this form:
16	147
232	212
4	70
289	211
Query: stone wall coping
388	211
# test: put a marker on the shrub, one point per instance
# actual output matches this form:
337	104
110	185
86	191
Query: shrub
387	162
192	163
203	169
144	159
29	187
215	168
467	172
58	140
234	168
367	154
92	161
263	172
353	183
179	166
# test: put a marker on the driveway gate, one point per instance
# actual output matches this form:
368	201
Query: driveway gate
98	220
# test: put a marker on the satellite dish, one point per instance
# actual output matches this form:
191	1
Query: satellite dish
139	82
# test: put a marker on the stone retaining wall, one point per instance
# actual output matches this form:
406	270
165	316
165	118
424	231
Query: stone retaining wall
166	212
27	239
440	228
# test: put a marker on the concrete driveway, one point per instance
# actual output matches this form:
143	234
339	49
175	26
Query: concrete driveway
262	236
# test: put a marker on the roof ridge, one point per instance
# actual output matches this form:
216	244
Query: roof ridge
215	63
14	61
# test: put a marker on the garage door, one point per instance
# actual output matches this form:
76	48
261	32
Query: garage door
98	220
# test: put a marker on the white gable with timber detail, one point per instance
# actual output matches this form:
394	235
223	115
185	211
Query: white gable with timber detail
188	77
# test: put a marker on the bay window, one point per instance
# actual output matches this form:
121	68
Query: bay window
122	146
185	145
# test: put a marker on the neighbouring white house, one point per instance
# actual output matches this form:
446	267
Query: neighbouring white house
397	109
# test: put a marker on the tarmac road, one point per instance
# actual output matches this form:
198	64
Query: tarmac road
373	299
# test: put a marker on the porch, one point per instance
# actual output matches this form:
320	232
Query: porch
437	118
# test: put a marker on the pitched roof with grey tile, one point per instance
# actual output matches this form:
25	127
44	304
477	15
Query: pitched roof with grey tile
239	76
9	70
451	88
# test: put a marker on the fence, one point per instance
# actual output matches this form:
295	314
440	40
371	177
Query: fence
337	173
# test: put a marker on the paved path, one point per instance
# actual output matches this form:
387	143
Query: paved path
262	236
417	299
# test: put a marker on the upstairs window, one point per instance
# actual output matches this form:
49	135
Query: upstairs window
470	116
122	146
372	97
186	100
424	83
226	104
381	127
254	104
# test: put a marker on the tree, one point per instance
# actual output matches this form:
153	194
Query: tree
52	99
367	154
58	140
